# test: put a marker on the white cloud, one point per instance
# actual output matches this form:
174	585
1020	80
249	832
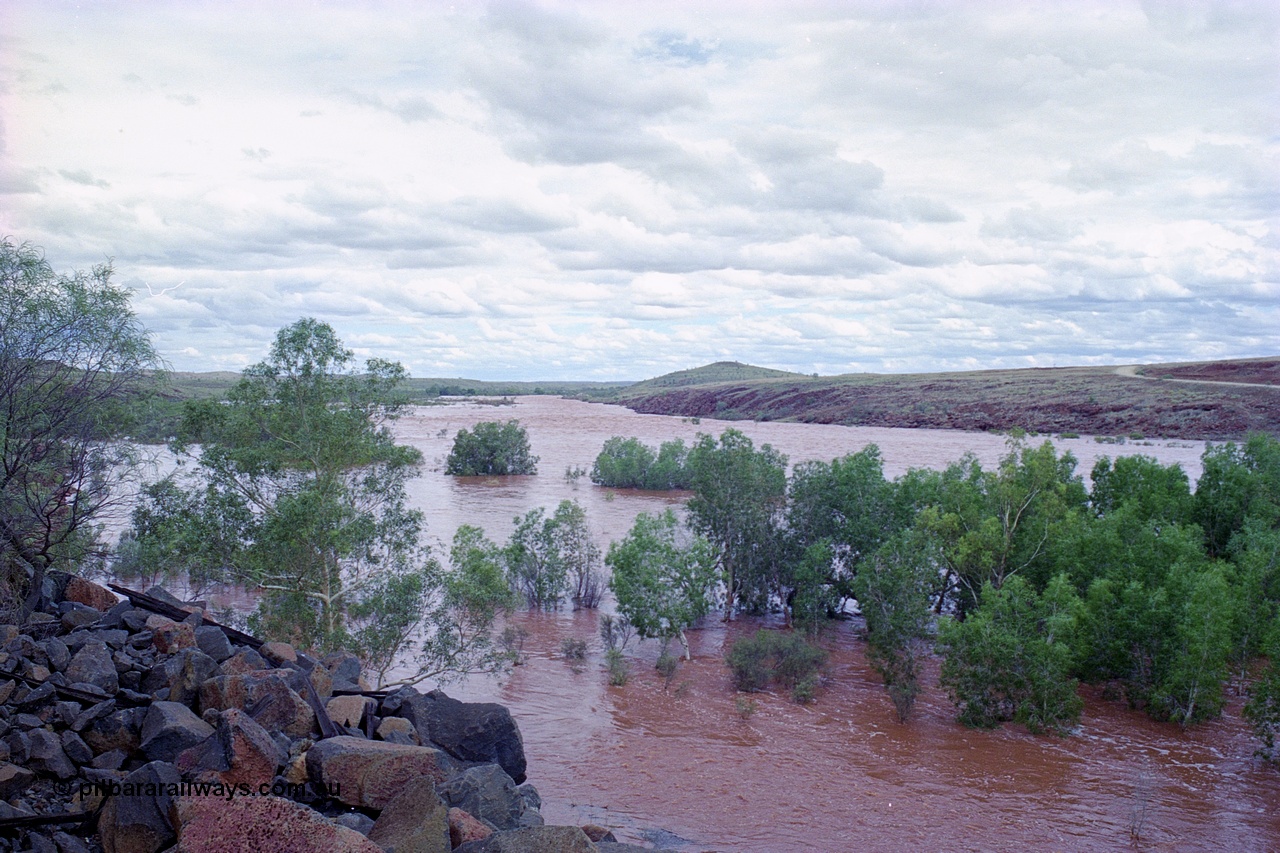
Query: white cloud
555	190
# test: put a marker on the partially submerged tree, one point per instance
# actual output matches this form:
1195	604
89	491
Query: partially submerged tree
73	357
491	448
665	579
550	557
737	502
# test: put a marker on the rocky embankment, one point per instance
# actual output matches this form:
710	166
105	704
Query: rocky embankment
128	731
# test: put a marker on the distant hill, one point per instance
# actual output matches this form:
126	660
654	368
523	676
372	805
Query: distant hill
710	374
1203	400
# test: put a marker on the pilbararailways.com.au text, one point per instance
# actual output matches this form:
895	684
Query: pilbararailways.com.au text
222	790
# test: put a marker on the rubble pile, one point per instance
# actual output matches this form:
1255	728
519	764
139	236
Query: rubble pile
140	725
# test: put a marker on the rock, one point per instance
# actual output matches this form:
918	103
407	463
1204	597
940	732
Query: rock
14	779
45	755
469	731
415	821
345	669
75	748
140	822
240	751
67	843
278	653
78	616
368	774
359	821
186	671
487	793
213	642
93	665
117	730
169	728
169	636
598	833
213	825
244	660
398	730
266	696
619	847
90	594
463	828
346	710
322	681
538	839
57	652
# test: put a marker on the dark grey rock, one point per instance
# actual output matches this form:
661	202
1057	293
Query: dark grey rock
78	616
358	821
469	731
140	822
45	755
489	794
169	728
57	653
68	843
213	642
93	665
76	749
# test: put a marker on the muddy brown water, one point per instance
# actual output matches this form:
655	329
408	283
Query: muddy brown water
692	766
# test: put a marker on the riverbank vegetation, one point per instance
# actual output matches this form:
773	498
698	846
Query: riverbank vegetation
491	449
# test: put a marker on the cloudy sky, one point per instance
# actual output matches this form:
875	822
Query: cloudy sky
612	191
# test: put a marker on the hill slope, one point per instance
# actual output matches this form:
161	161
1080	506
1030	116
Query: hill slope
1090	400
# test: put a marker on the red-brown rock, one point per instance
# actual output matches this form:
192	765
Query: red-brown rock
368	773
274	705
415	821
240	752
463	828
215	825
169	636
82	591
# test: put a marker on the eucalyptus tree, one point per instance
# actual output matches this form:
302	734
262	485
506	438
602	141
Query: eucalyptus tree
74	360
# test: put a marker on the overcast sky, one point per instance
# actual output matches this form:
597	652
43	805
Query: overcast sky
603	191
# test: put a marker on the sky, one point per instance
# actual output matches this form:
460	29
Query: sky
601	190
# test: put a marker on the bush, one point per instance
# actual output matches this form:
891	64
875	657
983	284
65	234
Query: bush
627	463
619	669
491	448
775	656
573	649
667	665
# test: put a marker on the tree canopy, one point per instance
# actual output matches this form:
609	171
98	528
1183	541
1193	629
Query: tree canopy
491	448
72	358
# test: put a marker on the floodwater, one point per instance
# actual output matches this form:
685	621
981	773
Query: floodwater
693	766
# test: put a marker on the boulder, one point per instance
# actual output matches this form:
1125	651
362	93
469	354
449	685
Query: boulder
346	710
598	833
266	696
139	822
240	752
278	654
169	728
487	793
244	660
118	730
469	731
415	821
213	642
463	828
14	779
94	665
169	636
89	593
538	839
45	755
182	674
398	730
368	774
214	825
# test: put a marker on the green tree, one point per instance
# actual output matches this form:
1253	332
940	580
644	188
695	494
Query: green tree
664	579
74	362
628	463
993	525
548	558
1191	689
1011	658
1154	491
738	496
303	445
491	448
1263	708
894	590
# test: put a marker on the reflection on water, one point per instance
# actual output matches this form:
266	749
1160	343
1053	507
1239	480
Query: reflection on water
676	763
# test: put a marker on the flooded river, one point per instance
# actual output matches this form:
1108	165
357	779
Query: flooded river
687	765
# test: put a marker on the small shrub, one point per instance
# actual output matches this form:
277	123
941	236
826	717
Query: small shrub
619	668
573	649
745	707
615	631
512	640
1069	435
776	656
667	665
